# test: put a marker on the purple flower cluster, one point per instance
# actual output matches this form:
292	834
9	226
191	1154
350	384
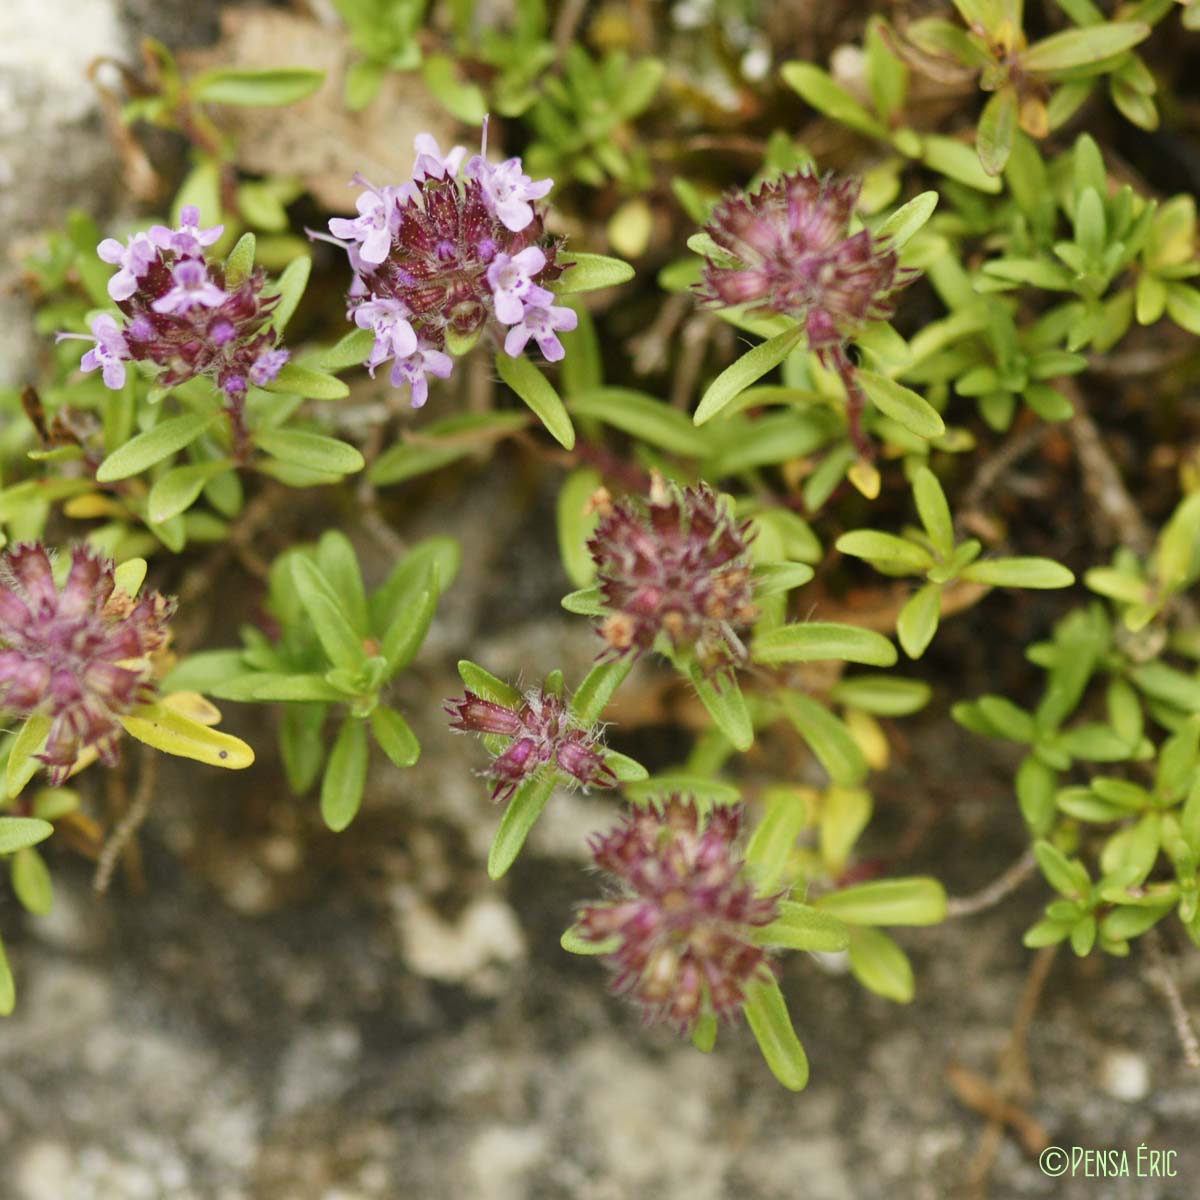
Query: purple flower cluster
685	922
182	314
542	731
791	254
437	259
79	655
679	565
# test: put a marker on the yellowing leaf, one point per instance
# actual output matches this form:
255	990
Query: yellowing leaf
173	733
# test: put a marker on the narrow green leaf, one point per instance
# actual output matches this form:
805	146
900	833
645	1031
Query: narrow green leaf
589	272
738	376
997	130
826	96
166	438
577	522
775	837
916	900
31	882
345	775
918	620
767	1015
538	393
647	419
339	564
886	548
816	641
880	965
882	695
802	927
313	451
18	832
177	490
8	987
462	100
828	738
726	705
593	694
902	404
171	732
394	736
1080	47
519	817
330	620
256	87
490	687
290	290
1020	572
907	220
304	381
240	262
22	765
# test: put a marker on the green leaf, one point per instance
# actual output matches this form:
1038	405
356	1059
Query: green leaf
726	705
916	900
886	548
593	694
770	579
576	522
290	289
345	775
303	381
539	394
573	942
166	438
16	833
705	791
462	100
313	451
704	1035
881	966
647	419
585	602
177	490
1020	572
934	511
1081	47
339	564
882	695
1064	875
519	817
997	130
827	736
826	96
902	404
1036	786
240	262
907	220
171	732
816	641
767	1015
394	736
958	161
918	620
8	988
738	376
775	836
488	686
332	624
22	765
802	927
270	687
351	351
31	882
256	88
590	272
406	634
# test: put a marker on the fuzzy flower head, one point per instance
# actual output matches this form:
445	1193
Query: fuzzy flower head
683	924
789	252
678	566
181	313
541	731
79	655
457	249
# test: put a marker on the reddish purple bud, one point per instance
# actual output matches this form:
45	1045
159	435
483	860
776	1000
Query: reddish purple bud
685	922
677	565
543	730
79	655
792	255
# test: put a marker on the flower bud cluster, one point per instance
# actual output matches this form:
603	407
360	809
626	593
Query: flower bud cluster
80	655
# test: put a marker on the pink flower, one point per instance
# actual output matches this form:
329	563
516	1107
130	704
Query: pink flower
109	352
511	279
189	240
135	260
431	162
542	730
193	288
685	921
542	323
77	655
394	336
509	190
413	369
374	227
